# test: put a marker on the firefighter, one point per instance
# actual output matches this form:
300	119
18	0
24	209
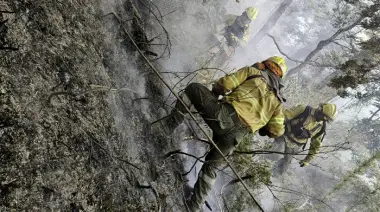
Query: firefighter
301	124
237	32
251	102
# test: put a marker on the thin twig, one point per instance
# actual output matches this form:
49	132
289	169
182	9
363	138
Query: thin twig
195	73
282	52
264	152
60	93
109	153
4	11
167	155
247	177
9	48
290	191
178	151
170	13
158	204
168	42
6	126
225	203
195	163
274	196
312	63
95	88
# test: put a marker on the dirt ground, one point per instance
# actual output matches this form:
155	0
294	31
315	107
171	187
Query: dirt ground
68	142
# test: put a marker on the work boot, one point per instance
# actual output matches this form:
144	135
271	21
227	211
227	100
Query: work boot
171	122
176	117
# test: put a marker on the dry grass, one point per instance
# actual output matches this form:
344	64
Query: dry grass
56	155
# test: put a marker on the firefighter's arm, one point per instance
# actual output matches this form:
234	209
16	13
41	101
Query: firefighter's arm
294	111
315	146
232	81
275	126
230	19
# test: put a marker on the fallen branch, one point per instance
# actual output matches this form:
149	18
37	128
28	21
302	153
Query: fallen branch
6	126
4	11
247	177
178	151
109	153
96	88
169	13
61	93
9	48
195	163
168	42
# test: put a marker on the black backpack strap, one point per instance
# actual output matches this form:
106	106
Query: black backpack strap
272	81
255	76
304	146
322	131
301	118
304	114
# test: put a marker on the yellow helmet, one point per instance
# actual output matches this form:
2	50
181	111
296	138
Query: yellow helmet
329	110
280	61
252	12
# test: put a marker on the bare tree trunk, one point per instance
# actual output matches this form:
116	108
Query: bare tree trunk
321	45
271	22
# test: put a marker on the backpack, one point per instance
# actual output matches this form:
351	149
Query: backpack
298	130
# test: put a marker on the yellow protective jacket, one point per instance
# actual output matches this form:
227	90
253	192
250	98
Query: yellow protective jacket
254	101
310	124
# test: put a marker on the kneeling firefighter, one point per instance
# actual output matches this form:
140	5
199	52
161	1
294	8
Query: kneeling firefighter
251	102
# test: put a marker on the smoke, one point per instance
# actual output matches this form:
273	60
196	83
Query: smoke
121	67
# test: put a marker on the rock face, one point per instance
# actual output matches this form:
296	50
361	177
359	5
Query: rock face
74	130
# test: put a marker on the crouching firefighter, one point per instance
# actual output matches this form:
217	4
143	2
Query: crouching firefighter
301	124
251	101
237	32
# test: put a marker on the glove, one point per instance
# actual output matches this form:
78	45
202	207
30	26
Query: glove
303	163
263	132
217	89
